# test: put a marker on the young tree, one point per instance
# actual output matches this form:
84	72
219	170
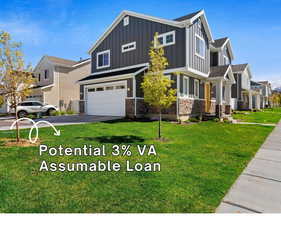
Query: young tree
16	79
156	86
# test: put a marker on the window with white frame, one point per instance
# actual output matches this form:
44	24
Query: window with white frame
196	88
167	39
225	57
129	47
185	86
103	59
200	46
126	21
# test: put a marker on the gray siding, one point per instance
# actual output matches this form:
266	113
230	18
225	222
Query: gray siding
142	32
191	86
196	62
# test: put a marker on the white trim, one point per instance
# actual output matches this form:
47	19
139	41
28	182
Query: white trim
48	86
134	46
164	36
187	46
102	53
178	94
122	68
134	14
197	72
81	63
179	69
187	86
106	79
202	39
196	83
126	21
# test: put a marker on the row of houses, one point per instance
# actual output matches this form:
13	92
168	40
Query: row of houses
109	82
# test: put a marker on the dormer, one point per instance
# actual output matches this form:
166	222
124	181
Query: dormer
221	52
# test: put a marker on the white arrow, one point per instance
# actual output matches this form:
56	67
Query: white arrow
57	132
35	126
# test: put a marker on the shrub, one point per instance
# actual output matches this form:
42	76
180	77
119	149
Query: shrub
70	112
194	120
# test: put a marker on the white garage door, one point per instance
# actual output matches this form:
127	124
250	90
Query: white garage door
106	99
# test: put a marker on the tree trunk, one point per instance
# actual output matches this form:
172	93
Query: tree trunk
17	126
160	118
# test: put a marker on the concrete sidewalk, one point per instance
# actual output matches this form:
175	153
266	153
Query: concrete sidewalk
258	189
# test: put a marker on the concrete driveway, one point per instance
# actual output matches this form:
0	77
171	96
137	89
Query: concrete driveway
5	123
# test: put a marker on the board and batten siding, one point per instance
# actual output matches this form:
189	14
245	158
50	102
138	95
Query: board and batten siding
142	32
221	56
196	62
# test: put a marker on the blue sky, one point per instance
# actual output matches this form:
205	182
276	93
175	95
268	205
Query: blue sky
68	28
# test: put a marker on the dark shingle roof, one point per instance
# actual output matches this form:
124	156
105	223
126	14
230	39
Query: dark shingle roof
187	17
120	72
61	61
239	67
253	83
218	71
219	42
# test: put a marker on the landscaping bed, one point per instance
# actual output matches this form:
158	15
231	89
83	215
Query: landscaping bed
199	163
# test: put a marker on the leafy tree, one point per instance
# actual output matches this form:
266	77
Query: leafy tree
16	77
156	86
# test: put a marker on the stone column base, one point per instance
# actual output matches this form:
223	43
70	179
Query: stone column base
219	111
227	109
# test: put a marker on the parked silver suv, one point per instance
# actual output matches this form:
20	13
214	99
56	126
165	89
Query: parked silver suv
34	107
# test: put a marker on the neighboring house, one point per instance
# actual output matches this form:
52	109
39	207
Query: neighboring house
241	91
266	93
57	82
121	56
221	57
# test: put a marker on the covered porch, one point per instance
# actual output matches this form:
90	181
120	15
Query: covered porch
221	79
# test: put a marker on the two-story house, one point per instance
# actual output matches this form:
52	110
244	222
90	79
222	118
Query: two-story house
242	92
266	93
57	81
120	57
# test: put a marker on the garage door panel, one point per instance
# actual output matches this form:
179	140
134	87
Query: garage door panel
108	102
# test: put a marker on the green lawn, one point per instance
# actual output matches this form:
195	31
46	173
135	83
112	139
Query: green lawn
199	164
265	116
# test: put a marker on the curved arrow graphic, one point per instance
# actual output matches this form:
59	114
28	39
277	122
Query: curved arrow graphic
35	126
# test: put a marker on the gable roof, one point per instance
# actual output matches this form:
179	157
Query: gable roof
221	42
218	71
181	24
187	17
239	67
61	61
218	43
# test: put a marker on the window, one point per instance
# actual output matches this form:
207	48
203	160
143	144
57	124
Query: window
36	104
109	88
100	89
91	90
126	21
225	60
129	47
120	87
196	88
167	39
186	86
200	46
103	59
46	74
39	77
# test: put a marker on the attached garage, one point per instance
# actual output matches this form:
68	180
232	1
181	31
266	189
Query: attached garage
107	99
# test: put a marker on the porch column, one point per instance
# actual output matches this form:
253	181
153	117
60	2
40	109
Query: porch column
219	98
258	102
227	95
250	100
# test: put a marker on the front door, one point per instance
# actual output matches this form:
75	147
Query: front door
207	97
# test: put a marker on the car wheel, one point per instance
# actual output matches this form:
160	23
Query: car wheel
22	114
50	112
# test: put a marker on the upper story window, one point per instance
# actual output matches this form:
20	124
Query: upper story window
167	39
129	47
103	59
126	21
186	86
46	74
225	57
39	77
200	46
196	88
